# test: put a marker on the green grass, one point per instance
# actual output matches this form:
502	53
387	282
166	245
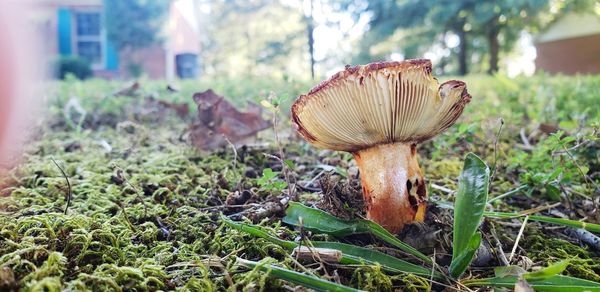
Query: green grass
145	215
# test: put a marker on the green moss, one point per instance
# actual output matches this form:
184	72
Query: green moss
584	263
143	214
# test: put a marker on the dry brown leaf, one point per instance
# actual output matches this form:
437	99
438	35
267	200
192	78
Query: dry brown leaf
548	128
130	90
181	109
219	121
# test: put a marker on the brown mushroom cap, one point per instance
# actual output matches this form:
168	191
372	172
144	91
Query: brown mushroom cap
378	103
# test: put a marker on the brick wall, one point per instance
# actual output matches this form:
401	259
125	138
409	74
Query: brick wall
570	56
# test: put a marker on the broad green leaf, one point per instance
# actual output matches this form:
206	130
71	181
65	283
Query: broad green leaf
547	272
307	281
552	284
471	198
566	222
322	222
461	263
350	254
319	221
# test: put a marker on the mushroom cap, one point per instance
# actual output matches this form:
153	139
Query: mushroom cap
378	103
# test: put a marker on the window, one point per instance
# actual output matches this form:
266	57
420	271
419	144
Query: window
88	37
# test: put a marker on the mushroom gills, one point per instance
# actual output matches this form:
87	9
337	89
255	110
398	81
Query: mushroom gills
393	184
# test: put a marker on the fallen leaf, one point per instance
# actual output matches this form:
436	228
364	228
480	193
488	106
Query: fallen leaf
181	109
130	90
219	121
548	128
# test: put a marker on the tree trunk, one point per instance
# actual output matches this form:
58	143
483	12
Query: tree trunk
311	40
462	53
494	47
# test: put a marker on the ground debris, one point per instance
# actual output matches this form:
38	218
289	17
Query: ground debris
342	199
131	90
219	123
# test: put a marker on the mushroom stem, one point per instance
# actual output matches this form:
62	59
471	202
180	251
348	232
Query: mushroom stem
393	184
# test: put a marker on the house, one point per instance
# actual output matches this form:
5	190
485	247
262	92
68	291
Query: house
76	28
570	45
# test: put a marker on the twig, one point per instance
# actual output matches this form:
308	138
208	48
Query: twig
561	152
443	189
229	206
539	209
585	237
432	270
585	177
137	192
69	190
500	251
496	151
235	155
512	252
284	168
525	139
313	179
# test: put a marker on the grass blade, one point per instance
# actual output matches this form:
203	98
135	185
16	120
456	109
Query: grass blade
307	281
256	231
560	221
551	284
351	254
547	272
471	198
322	222
359	255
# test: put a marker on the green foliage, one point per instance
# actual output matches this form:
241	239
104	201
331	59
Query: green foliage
269	181
72	65
555	283
414	27
157	230
351	254
134	23
323	222
471	198
311	282
255	38
560	221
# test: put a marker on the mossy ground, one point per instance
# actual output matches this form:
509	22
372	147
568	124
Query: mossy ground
145	204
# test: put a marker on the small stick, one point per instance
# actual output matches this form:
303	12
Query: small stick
69	190
512	252
432	270
235	154
443	189
496	151
500	251
525	139
326	255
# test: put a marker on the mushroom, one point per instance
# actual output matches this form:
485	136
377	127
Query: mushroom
379	112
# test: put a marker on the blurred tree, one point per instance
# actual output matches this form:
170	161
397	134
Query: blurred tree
498	22
261	37
503	21
134	23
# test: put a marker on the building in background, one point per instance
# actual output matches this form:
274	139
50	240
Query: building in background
570	45
76	28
